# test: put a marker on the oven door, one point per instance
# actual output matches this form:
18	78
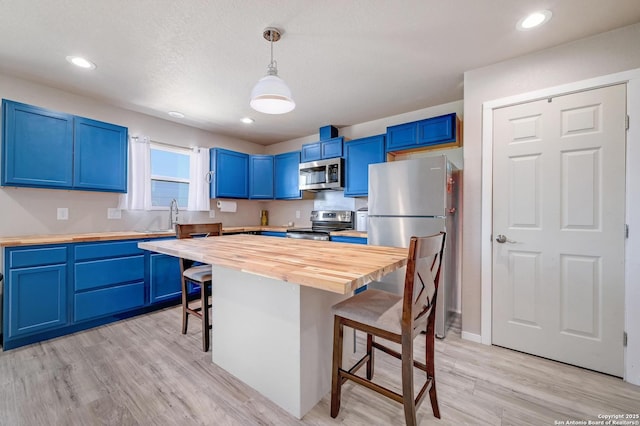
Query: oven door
308	235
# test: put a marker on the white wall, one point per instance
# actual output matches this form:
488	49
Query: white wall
607	53
28	211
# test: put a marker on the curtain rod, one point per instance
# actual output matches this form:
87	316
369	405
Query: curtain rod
163	143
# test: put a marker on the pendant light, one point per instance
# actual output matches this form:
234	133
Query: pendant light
271	95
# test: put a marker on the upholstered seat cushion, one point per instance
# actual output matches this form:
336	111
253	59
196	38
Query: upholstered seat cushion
372	307
199	273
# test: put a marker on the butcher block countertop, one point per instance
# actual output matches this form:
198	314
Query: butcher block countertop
335	267
30	240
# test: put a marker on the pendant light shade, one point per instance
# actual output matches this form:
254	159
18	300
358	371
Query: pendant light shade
271	95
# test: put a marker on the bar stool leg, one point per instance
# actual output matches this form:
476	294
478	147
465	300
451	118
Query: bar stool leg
205	316
408	399
336	381
185	314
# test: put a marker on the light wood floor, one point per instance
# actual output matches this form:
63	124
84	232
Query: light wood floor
142	371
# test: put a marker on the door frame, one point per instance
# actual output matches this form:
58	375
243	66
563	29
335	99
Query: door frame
632	244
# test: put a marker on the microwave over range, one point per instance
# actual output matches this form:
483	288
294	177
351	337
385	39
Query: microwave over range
321	174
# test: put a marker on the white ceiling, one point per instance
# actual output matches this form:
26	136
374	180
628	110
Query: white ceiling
346	61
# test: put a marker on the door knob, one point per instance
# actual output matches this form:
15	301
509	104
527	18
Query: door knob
503	239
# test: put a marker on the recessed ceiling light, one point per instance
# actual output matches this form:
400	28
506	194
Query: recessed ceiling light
247	120
81	62
534	20
176	114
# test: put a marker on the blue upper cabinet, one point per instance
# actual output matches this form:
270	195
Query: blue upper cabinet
287	175
37	148
311	152
49	149
261	177
359	153
322	150
230	174
100	156
424	133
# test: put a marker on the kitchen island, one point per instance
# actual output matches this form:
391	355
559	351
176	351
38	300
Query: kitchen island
272	326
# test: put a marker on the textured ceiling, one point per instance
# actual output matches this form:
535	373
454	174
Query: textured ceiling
346	61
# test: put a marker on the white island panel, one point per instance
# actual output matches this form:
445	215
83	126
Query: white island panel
275	336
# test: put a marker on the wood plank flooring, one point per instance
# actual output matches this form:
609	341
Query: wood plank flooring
142	371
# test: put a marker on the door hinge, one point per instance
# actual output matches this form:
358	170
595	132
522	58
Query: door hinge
626	122
624	338
626	230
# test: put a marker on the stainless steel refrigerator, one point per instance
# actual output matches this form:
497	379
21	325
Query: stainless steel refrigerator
416	198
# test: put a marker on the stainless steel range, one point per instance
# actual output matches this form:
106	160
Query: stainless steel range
323	222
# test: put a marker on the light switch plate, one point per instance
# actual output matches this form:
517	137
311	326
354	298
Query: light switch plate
63	213
114	213
212	214
297	214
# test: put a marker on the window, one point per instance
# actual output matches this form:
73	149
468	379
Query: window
169	176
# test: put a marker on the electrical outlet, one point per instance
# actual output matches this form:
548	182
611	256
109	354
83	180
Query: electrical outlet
63	213
212	214
114	213
297	214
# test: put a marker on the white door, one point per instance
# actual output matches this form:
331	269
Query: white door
559	200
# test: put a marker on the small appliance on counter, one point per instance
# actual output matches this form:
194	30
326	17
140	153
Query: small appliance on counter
323	222
362	216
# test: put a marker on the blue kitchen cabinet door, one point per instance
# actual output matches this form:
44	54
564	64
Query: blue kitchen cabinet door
351	240
359	153
261	177
273	234
311	152
402	136
322	150
287	176
230	174
35	300
423	133
164	279
436	130
100	156
332	148
38	147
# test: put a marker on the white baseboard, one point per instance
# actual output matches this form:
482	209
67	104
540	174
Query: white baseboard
471	337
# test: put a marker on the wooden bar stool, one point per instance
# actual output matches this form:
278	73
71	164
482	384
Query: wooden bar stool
199	276
398	319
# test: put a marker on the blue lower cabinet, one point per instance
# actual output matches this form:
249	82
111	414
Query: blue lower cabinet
58	289
164	279
273	234
105	272
352	240
107	301
35	300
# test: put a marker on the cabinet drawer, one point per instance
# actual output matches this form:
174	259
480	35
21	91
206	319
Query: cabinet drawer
100	273
103	250
97	303
22	258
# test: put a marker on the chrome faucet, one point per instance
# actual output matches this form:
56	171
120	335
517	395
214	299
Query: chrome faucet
173	220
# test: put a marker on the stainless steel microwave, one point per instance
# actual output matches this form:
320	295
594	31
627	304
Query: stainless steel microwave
321	174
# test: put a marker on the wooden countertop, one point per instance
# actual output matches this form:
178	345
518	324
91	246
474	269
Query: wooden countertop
335	267
30	240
